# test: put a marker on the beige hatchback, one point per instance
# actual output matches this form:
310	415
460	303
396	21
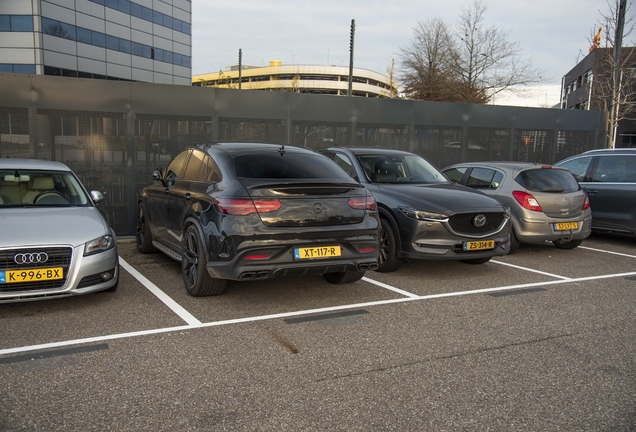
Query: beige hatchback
546	202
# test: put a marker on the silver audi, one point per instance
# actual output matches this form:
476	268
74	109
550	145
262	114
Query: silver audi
54	241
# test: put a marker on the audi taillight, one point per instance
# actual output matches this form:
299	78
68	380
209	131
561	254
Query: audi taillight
527	201
363	203
241	206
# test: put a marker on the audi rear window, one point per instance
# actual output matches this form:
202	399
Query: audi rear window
287	166
547	180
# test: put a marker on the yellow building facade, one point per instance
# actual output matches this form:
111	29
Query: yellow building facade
300	79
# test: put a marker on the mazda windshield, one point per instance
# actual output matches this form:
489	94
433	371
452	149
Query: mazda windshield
400	168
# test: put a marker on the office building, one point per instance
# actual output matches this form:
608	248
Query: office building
587	87
140	40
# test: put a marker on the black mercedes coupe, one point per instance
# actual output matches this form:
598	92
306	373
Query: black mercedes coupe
250	211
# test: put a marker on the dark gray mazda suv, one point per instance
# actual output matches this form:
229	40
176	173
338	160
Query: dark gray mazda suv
423	215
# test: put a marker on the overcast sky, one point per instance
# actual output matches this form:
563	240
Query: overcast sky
554	33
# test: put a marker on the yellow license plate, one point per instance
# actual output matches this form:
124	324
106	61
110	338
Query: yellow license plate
317	252
563	226
479	245
31	275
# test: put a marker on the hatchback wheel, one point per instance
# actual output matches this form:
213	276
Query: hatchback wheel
564	244
343	277
143	234
196	278
388	260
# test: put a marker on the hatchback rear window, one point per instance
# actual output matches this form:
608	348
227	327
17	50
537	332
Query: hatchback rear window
288	166
547	180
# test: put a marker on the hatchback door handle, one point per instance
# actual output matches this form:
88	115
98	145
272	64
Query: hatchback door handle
187	196
591	191
166	190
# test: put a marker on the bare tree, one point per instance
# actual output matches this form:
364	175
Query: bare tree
470	64
425	63
614	80
392	92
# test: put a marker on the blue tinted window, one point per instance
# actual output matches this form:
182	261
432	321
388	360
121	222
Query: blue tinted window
83	35
21	23
137	49
167	21
46	23
157	17
185	61
112	43
6	67
147	51
24	68
167	56
158	54
176	24
5	23
68	31
135	10
185	28
99	39
111	3
58	29
124	46
123	6
176	59
146	13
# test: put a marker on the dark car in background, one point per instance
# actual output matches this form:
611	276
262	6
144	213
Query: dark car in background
609	178
546	203
422	214
252	211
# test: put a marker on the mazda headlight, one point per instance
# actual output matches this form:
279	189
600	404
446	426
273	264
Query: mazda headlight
98	245
423	215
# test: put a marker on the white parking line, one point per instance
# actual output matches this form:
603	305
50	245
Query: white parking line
608	252
389	287
531	270
173	305
300	313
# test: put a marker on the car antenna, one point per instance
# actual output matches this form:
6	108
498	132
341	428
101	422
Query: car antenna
281	149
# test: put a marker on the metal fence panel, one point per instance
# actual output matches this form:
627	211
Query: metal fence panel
113	134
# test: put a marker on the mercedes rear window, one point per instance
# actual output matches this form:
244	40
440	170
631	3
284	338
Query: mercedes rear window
547	180
287	166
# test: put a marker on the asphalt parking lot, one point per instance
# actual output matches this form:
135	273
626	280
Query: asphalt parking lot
539	340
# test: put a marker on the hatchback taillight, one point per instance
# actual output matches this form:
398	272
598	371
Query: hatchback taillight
586	203
241	206
363	203
527	201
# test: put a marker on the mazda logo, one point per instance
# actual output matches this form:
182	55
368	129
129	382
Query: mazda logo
31	258
318	208
479	220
